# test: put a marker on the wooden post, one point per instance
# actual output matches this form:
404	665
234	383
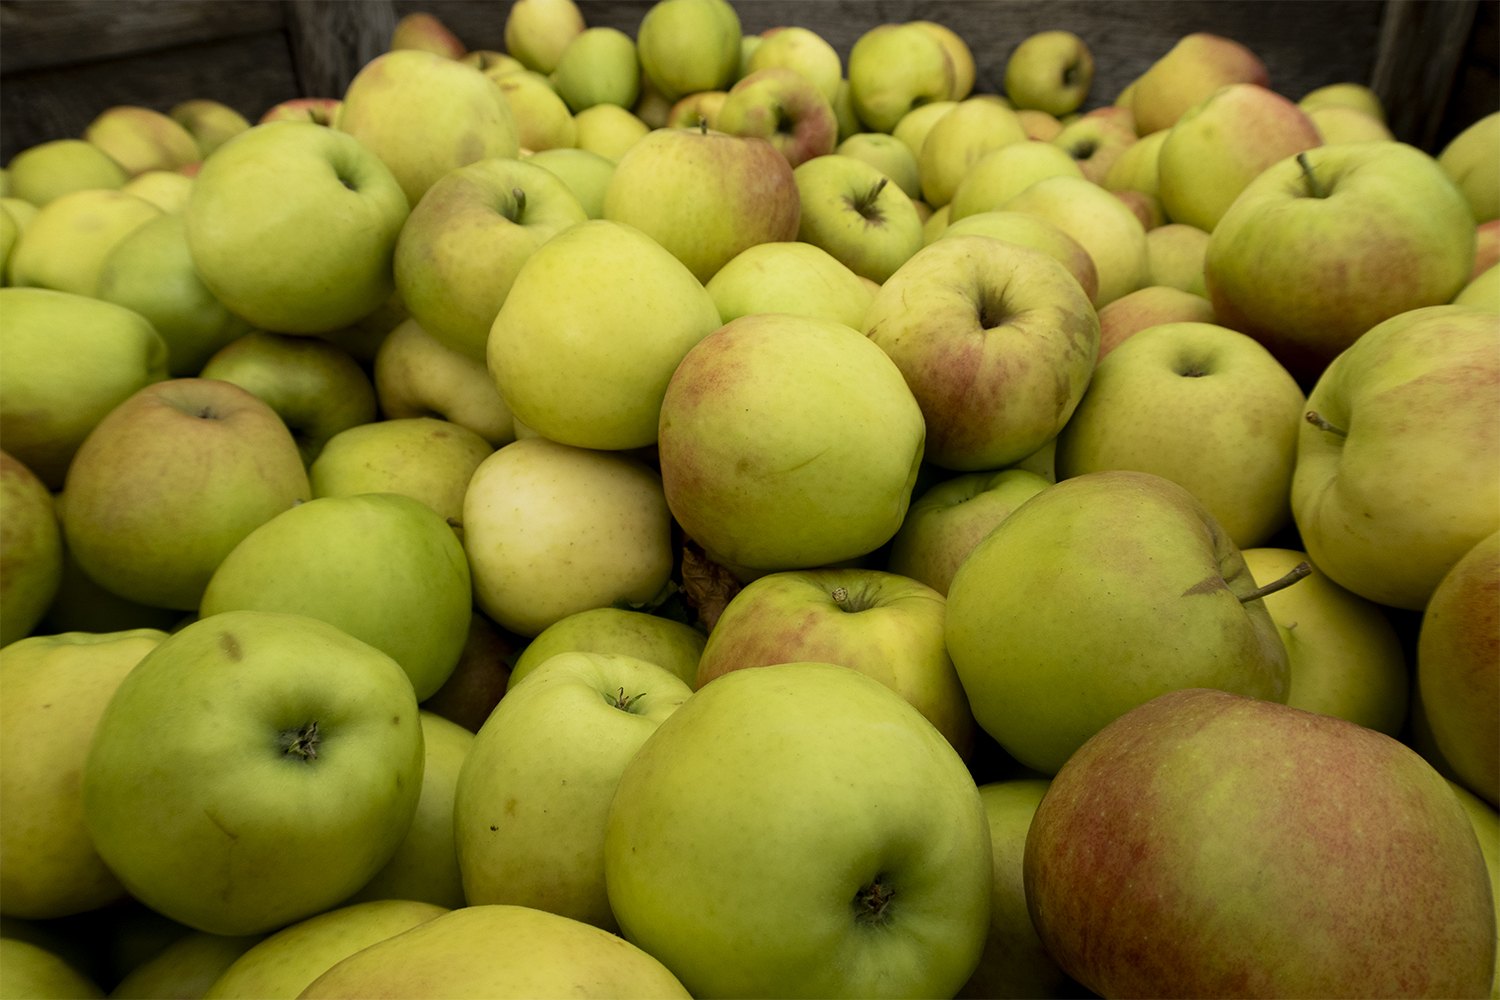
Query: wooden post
332	39
1422	46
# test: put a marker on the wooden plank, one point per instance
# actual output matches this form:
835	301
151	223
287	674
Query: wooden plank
332	39
1422	46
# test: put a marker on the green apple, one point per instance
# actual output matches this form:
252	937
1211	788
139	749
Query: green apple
141	138
1458	672
1032	231
689	45
1487	826
292	226
1346	656
895	67
1138	167
1196	65
1003	173
497	950
1344	94
704	195
1482	291
789	277
186	967
491	62
1095	142
538	32
598	66
215	786
57	167
585	173
31	550
282	965
425	458
951	516
1174	256
65	245
698	109
534	793
416	375
670	644
1055	624
1147	307
82	605
1050	71
31	970
853	211
1336	123
464	242
1470	159
751	887
609	130
783	107
65	361
959	54
913	126
829	471
551	529
421	30
170	481
168	190
803	51
1386	504
1324	245
887	154
211	123
543	119
55	689
592	328
958	140
997	342
1101	223
1341	859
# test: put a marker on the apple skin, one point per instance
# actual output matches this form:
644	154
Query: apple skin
789	277
51	169
1003	173
1386	504
598	66
538	32
689	45
421	30
853	211
65	245
1482	292
585	173
912	127
317	110
1034	613
1175	253
1341	858
961	138
141	139
1036	232
1096	143
887	154
181	755
1148	307
1469	159
30	969
417	375
1101	223
609	130
783	107
187	966
1196	65
1049	71
894	68
744	887
670	644
1458	668
1343	124
1344	94
1487	826
31	550
425	458
1137	167
803	51
211	123
542	118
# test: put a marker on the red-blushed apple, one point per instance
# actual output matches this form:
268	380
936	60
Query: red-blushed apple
140	138
783	107
422	30
318	110
1147	307
1198	64
1095	143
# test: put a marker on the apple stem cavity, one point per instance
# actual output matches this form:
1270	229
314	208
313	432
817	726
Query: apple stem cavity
1297	572
624	702
1316	419
872	903
520	195
1314	186
865	204
302	743
849	602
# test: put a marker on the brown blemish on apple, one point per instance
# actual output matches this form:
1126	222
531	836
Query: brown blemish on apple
231	646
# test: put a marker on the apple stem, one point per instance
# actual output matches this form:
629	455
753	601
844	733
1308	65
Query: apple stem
703	124
520	195
1314	188
1316	419
1297	572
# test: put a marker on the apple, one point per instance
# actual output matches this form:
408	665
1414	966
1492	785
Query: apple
689	45
1038	124
803	51
1174	257
168	190
211	123
32	970
895	67
997	342
466	240
670	644
1487	826
1003	173
585	173
1137	168
425	458
478	682
1346	656
887	154
1486	247
959	54
421	30
65	245
47	170
1055	602
697	110
704	195
1324	245
1049	71
608	130
1146	307
171	480
1145	207
175	785
1458	670
591	330
783	107
317	110
958	140
1482	292
551	529
1344	94
598	66
951	516
65	361
827	475
82	605
853	211
31	551
1336	123
1102	224
1385	503
1095	143
789	277
1032	231
1196	65
140	139
653	108
1469	158
912	128
745	886
543	119
187	966
1341	858
416	375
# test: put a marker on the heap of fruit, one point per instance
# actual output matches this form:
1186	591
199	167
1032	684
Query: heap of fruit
398	490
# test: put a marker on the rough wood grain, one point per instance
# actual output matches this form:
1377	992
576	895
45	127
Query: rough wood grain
67	32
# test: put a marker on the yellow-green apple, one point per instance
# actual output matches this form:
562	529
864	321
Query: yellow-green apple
585	173
1344	94
913	126
285	963
598	66
1338	123
789	277
665	642
1398	464
997	342
1146	207
882	624
894	67
1038	124
1014	963
186	967
783	107
168	190
81	605
1486	247
28	969
1346	655
689	45
538	32
1458	668
1174	256
829	472
535	507
959	54
465	241
949	518
543	119
697	109
1486	823
1003	173
1147	307
10	233
55	689
317	110
141	138
652	107
425	458
1343	860
423	115
934	221
1482	292
1095	143
805	52
1101	223
609	130
42	172
887	154
211	123
1032	231
1196	65
591	330
740	885
958	140
215	787
65	361
1049	71
852	210
1472	160
1326	244
292	226
704	195
491	61
416	375
31	551
533	795
478	682
1137	168
171	480
382	567
500	950
1217	147
1035	612
65	245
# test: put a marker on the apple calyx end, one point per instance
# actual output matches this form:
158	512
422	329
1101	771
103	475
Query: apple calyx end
624	702
1301	570
872	903
1316	419
301	743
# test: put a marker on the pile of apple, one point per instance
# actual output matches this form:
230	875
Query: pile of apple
396	489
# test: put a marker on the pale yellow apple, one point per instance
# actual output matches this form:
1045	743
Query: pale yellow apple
959	53
1102	224
33	971
609	130
1341	123
543	120
168	190
1136	169
41	172
671	644
141	138
895	67
417	375
912	127
537	32
958	140
1033	231
425	458
789	277
65	245
1344	94
1472	160
1003	173
1175	253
